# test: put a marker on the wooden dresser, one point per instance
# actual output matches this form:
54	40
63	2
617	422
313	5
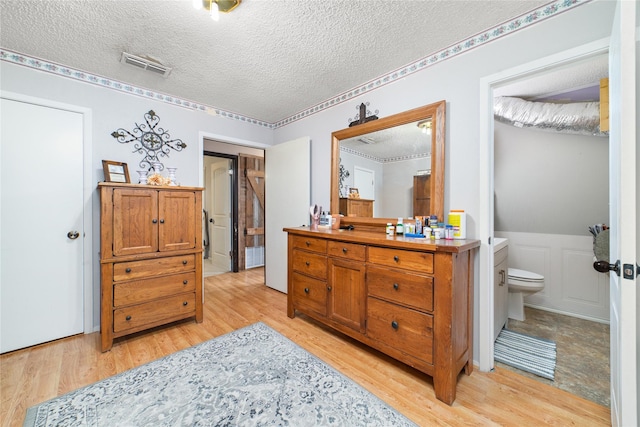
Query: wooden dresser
356	207
150	257
409	298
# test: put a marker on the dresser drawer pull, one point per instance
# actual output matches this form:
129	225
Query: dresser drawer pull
128	270
184	282
155	221
308	243
394	325
395	286
328	288
185	303
128	317
306	290
307	263
162	221
344	250
185	262
396	258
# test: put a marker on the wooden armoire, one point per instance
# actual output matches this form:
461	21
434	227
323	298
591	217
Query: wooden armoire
150	257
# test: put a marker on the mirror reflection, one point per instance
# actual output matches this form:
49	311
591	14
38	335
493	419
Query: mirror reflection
383	166
389	168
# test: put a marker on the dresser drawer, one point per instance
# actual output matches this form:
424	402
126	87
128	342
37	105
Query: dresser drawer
310	244
158	312
409	260
153	267
407	330
309	263
143	290
309	293
346	250
406	288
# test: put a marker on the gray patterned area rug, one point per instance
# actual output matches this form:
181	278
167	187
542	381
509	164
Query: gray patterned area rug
250	377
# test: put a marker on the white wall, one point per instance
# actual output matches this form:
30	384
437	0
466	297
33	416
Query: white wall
549	182
112	110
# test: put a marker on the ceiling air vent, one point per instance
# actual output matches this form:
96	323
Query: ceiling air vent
145	63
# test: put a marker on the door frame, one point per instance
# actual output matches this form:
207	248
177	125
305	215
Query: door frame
90	304
486	161
234	205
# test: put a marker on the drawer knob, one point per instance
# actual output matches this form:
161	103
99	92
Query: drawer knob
328	288
184	262
396	258
128	317
395	286
185	303
128	270
308	243
306	290
184	282
162	221
394	325
344	250
155	221
307	263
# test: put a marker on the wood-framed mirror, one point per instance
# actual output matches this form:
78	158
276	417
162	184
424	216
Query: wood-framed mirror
396	164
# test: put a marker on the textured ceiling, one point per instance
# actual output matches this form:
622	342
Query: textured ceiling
268	59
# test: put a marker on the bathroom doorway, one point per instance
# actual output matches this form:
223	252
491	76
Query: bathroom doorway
499	210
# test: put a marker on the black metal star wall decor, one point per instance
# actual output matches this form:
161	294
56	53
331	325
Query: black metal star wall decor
151	140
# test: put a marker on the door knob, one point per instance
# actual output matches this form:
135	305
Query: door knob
212	221
73	235
604	267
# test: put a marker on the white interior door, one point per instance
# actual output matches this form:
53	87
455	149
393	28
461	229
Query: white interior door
623	244
363	180
41	181
287	200
220	214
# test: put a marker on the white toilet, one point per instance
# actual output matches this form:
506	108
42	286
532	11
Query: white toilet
521	284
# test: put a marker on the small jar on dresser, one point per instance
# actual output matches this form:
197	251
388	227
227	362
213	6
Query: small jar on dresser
150	257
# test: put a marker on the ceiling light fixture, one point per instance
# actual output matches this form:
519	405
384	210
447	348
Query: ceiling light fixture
216	6
425	125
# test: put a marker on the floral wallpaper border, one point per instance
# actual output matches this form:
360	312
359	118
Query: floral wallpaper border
492	34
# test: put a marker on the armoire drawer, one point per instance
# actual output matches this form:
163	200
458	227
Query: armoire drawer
157	311
406	288
351	251
143	290
399	258
309	293
153	267
407	330
310	244
310	263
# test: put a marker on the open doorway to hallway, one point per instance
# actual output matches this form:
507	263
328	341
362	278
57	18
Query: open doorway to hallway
233	208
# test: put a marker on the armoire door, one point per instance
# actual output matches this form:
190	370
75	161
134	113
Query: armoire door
176	229
135	234
41	225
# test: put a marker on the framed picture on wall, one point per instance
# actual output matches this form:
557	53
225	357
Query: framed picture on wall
115	171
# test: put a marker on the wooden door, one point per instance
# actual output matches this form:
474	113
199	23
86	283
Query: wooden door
421	195
135	234
623	141
346	293
176	227
42	234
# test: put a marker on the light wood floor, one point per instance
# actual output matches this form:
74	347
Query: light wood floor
234	300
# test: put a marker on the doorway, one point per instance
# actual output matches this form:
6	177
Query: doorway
487	187
220	214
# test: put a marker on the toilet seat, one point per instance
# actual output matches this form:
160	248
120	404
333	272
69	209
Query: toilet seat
522	280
